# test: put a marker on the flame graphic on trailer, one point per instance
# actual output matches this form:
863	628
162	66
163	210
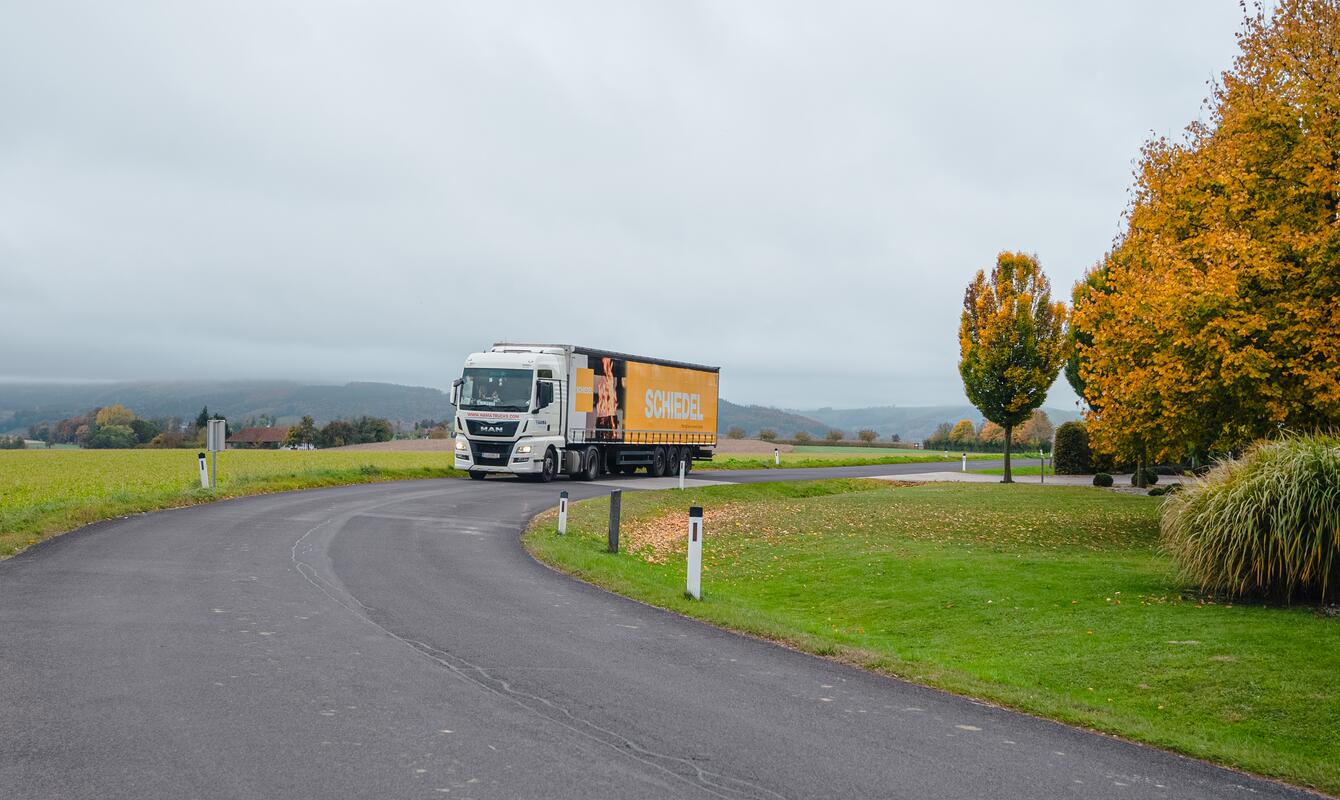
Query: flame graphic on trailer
609	415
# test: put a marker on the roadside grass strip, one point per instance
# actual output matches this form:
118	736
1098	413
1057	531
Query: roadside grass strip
1052	600
46	492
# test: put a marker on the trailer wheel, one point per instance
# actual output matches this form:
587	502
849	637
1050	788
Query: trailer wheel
672	461
688	460
590	465
656	468
476	475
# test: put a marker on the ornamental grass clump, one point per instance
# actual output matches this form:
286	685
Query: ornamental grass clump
1266	525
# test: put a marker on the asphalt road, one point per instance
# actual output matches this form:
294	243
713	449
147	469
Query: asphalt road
394	640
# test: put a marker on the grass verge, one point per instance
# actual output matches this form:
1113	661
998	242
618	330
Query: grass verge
46	492
1053	600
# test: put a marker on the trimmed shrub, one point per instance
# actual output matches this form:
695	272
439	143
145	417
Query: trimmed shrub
1171	488
1072	455
1102	479
1151	477
1266	525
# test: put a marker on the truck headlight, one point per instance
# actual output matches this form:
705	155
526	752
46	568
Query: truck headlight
461	446
523	449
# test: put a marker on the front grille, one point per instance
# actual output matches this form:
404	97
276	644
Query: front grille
489	427
488	453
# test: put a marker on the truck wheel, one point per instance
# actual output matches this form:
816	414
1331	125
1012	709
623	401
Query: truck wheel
672	462
550	469
688	460
476	475
590	464
656	468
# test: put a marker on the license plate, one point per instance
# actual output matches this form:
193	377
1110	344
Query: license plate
491	453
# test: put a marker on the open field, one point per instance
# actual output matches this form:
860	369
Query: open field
44	492
1047	599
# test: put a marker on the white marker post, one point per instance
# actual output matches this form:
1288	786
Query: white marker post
562	512
204	471
215	441
965	463
777	456
681	474
695	574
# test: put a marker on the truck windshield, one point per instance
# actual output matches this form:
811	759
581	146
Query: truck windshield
496	389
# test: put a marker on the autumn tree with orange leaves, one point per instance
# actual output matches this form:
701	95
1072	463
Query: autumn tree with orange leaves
1215	320
1012	339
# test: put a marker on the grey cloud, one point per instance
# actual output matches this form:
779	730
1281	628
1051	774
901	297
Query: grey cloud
798	192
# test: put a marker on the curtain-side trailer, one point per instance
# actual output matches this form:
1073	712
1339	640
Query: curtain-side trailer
544	410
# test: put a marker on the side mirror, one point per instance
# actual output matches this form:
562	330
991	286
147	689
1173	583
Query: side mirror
456	391
544	395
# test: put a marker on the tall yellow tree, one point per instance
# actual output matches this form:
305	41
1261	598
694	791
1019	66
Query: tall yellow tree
1217	321
1012	339
116	414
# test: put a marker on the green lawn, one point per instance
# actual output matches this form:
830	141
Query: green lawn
1048	599
45	492
1017	469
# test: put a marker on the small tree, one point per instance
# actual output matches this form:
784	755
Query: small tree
802	436
1072	456
202	419
115	414
834	435
940	436
145	430
1012	339
867	435
895	438
991	433
304	434
964	433
337	433
767	434
1038	430
735	433
112	436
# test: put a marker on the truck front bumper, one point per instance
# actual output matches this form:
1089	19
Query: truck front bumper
516	463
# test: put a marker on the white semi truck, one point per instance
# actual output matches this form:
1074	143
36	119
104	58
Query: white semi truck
544	410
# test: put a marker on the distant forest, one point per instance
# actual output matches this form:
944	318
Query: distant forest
276	402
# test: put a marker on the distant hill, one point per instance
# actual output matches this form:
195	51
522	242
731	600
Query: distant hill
755	418
23	404
912	423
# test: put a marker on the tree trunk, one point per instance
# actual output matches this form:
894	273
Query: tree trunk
1009	431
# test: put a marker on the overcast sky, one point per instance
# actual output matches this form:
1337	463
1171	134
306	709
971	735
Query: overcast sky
798	192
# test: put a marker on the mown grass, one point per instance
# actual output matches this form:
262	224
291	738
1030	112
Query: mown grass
1015	470
45	492
828	457
1054	600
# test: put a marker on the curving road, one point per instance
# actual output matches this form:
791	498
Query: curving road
394	640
